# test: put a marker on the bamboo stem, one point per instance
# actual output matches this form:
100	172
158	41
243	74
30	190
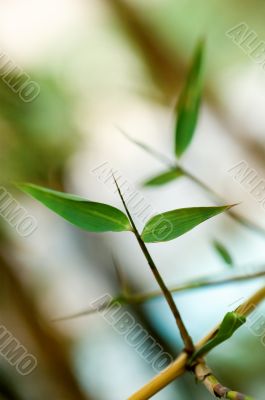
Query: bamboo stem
189	346
178	367
205	376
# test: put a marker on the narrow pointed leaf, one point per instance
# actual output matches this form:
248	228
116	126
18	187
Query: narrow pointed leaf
189	102
171	224
164	178
222	251
88	215
231	322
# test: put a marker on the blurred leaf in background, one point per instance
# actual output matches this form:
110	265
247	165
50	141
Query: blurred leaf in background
36	138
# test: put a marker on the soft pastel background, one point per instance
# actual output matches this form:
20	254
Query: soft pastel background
120	63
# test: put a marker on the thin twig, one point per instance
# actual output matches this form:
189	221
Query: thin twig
178	367
216	197
155	153
88	311
121	278
239	218
128	298
195	284
189	347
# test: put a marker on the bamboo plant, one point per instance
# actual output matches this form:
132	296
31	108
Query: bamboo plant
169	225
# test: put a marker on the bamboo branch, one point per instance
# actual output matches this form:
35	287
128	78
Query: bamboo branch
178	367
134	298
153	152
205	376
239	218
194	284
189	346
216	197
168	69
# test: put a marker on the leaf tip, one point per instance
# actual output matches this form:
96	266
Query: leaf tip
229	206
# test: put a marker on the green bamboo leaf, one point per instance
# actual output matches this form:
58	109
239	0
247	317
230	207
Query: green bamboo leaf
165	177
88	215
231	322
171	224
223	253
189	102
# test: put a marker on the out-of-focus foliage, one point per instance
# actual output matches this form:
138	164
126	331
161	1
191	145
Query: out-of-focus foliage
36	138
222	252
164	178
189	102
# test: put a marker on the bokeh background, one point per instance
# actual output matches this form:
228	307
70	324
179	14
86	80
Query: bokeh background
102	65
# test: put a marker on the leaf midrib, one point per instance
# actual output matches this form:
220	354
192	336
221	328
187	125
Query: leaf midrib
62	199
